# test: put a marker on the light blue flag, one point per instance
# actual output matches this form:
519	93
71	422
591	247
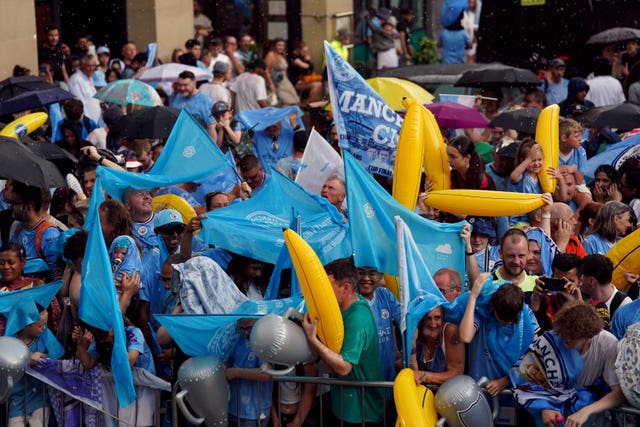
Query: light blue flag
19	306
99	305
253	228
215	334
368	128
262	118
371	212
418	292
282	263
189	153
151	51
614	155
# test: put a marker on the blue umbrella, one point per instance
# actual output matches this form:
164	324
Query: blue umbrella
33	99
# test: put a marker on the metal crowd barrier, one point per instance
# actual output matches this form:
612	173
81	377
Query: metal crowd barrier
67	399
624	416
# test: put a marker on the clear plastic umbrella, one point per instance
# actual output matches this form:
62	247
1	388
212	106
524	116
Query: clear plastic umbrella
129	92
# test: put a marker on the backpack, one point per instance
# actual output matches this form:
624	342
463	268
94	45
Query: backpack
40	229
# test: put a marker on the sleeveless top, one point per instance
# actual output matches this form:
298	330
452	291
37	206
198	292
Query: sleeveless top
438	362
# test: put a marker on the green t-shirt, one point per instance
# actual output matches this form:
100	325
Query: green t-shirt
361	349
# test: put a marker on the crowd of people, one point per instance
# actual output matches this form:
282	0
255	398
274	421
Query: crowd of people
500	312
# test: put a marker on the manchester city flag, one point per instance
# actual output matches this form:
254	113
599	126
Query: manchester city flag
367	126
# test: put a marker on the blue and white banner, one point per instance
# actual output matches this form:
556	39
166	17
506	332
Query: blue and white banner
367	126
615	155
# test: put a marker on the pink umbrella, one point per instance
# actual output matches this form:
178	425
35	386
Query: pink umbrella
451	115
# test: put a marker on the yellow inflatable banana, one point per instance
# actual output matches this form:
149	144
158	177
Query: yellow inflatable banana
436	162
548	136
393	284
407	169
316	288
415	404
24	125
625	256
173	201
484	202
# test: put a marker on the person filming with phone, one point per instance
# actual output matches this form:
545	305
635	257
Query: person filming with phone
551	293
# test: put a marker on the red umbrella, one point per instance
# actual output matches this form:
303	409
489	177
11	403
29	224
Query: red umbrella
451	115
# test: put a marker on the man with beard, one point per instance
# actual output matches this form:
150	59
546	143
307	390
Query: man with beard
503	162
50	51
514	250
38	236
191	99
140	207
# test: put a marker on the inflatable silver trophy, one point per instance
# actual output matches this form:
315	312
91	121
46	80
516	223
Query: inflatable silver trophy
280	340
461	403
204	386
14	360
627	364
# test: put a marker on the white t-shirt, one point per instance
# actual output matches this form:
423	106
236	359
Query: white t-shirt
217	92
605	90
98	137
600	360
249	89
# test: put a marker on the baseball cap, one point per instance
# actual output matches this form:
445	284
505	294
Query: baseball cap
220	67
103	49
220	107
485	151
167	218
482	225
99	79
132	160
507	147
556	62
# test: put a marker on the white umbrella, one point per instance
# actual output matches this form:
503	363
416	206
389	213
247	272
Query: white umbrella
168	73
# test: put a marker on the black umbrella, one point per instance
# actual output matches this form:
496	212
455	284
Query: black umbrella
154	122
625	116
14	86
504	76
614	35
522	120
21	164
33	99
64	160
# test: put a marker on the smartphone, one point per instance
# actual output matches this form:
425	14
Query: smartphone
553	284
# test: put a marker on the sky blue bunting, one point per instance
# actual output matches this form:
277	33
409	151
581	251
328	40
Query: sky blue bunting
204	334
371	212
418	292
253	228
368	128
189	153
19	307
262	118
99	304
